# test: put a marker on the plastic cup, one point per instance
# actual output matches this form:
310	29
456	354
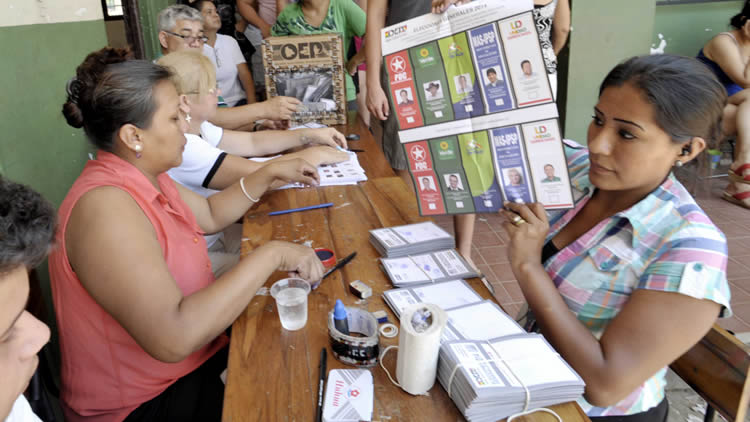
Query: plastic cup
291	302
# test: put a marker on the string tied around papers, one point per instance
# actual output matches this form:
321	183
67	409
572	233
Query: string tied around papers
418	347
357	351
504	362
432	280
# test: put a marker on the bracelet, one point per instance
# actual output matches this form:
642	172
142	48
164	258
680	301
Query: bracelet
242	186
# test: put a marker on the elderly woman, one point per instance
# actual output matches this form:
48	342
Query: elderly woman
27	225
212	159
181	28
635	274
140	315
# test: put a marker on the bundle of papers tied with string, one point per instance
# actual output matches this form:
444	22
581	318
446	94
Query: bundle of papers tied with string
486	366
486	359
488	380
430	267
411	239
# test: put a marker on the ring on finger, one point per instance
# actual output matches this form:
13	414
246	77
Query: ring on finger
518	220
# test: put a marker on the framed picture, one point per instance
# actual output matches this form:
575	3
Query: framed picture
311	69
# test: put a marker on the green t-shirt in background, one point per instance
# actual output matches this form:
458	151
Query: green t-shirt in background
344	17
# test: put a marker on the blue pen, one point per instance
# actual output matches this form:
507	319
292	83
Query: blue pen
311	207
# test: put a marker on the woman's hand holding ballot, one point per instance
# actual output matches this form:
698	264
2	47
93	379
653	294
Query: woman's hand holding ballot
527	227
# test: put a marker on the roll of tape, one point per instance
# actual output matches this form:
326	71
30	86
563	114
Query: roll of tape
357	351
388	330
422	326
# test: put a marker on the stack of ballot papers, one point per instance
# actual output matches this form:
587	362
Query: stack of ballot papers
486	360
488	379
430	267
347	172
411	239
446	295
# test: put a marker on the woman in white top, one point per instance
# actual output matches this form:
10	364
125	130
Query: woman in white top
214	157
233	75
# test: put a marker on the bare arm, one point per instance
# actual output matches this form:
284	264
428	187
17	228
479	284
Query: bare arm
356	60
560	25
246	79
224	208
723	50
616	364
166	324
280	5
254	144
377	102
234	118
247	10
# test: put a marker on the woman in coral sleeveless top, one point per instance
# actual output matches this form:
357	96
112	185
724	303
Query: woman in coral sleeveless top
140	315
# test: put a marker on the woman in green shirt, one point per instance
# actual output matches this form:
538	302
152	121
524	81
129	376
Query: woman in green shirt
325	16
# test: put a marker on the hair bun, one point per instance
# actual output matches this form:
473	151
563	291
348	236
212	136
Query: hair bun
73	114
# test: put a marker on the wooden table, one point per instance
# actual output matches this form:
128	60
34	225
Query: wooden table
273	373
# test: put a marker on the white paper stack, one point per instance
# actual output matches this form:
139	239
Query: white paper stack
431	267
446	295
486	358
411	239
487	380
485	365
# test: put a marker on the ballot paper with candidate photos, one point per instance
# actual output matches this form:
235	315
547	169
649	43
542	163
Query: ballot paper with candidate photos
430	267
445	294
483	126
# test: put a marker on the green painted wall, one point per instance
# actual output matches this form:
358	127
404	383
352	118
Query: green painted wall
38	147
687	27
149	10
604	32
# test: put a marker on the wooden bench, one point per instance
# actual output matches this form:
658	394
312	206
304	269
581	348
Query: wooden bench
717	369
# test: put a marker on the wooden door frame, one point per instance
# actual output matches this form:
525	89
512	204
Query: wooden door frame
133	32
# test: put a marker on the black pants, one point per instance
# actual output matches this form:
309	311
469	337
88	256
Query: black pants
198	396
655	414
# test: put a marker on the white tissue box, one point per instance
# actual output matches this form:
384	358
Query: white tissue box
349	396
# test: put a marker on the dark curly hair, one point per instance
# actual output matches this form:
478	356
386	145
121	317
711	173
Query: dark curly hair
110	90
738	20
27	226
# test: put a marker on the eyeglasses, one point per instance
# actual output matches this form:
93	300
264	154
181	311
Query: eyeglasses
189	38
